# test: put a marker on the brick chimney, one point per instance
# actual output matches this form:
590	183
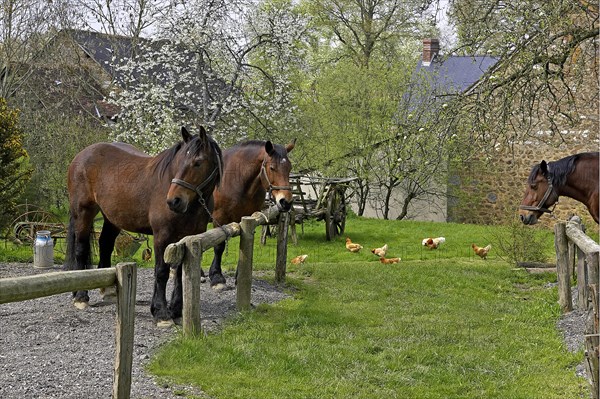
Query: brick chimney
431	48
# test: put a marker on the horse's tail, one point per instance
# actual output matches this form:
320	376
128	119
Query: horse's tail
70	260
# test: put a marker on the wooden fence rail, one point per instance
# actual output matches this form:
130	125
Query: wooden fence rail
124	276
570	240
188	251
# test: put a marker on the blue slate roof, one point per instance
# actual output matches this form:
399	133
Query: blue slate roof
108	50
454	74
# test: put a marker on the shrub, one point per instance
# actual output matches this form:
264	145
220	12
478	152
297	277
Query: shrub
14	168
517	242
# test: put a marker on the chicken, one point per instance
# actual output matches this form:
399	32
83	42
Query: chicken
433	243
351	246
389	261
380	251
299	259
481	252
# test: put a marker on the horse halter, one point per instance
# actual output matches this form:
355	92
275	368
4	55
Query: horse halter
265	178
198	189
540	206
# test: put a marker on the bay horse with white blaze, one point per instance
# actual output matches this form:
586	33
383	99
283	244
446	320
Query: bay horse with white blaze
251	169
168	196
575	176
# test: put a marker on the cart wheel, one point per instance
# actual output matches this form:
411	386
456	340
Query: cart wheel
33	219
335	216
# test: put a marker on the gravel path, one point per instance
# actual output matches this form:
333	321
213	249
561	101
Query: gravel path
572	327
49	349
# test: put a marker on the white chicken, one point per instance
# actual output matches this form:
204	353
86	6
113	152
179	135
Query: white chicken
380	251
433	243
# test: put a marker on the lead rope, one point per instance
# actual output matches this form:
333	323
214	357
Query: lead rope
217	225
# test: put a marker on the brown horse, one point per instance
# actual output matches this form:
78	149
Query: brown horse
575	176
251	169
168	196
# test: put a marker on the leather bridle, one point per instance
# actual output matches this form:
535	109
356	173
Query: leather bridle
198	189
265	179
540	206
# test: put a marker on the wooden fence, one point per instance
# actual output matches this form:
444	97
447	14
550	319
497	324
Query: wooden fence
578	255
124	276
188	251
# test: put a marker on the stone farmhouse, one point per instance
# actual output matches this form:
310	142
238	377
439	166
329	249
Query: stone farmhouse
490	190
73	74
443	77
83	67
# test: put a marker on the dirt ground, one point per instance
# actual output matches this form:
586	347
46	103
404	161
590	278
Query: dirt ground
49	349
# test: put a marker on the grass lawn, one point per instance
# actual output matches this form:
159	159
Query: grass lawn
440	324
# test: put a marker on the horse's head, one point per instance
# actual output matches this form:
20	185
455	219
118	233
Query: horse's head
198	166
275	174
539	194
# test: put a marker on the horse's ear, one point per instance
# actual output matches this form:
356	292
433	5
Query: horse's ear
185	134
203	135
269	147
544	168
291	145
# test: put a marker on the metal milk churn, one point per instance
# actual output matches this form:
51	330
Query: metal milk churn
43	250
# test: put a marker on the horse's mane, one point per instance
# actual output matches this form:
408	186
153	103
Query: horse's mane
561	169
196	146
162	161
279	149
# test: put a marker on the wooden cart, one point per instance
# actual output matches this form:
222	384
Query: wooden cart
329	205
23	230
319	198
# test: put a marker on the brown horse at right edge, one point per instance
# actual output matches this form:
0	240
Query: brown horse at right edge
251	170
575	176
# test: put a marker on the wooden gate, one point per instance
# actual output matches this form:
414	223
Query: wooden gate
578	255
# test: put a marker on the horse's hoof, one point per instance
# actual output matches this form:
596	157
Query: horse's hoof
80	305
203	279
164	323
109	299
219	287
109	294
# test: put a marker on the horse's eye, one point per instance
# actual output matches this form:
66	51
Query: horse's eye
197	164
534	186
272	167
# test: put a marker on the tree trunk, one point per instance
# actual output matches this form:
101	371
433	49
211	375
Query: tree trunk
405	205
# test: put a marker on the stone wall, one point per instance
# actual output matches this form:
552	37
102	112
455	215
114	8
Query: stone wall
490	190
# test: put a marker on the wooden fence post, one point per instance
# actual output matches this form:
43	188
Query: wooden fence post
573	248
562	267
588	283
592	330
244	268
126	291
190	279
577	259
582	280
282	237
